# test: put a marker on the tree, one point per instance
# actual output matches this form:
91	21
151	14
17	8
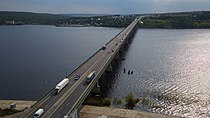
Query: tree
131	101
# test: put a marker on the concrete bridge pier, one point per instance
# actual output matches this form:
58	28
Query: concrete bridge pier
119	56
134	31
109	68
127	40
122	49
131	36
96	89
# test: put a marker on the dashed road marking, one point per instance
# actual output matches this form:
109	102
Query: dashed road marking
45	106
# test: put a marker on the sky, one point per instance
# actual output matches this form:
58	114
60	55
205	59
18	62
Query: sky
104	6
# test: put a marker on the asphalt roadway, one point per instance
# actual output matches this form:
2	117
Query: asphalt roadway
58	105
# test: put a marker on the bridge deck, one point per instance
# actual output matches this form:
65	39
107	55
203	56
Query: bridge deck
72	96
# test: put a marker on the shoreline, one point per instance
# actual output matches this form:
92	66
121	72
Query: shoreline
103	26
20	104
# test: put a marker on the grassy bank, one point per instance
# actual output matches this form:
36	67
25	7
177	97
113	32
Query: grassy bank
128	102
4	112
182	20
98	101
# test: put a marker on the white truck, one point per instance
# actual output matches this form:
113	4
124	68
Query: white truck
38	113
61	85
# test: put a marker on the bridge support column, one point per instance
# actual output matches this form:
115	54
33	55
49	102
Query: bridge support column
130	38
127	40
109	68
73	115
122	49
96	89
117	56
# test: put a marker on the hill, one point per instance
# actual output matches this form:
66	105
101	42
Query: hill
28	18
181	20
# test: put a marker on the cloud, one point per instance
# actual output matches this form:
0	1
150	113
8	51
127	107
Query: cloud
90	9
104	6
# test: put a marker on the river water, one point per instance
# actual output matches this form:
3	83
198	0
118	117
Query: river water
35	58
171	68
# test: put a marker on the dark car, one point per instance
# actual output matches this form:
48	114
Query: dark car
77	77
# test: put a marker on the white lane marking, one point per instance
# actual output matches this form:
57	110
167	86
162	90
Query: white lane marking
48	112
45	106
73	88
58	115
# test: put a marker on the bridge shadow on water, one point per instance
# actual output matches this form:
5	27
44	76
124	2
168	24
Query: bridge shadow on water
108	79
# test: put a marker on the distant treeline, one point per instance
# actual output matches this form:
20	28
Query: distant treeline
66	20
28	18
184	20
99	21
181	20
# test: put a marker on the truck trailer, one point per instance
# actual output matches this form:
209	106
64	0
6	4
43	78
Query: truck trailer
61	85
38	113
90	76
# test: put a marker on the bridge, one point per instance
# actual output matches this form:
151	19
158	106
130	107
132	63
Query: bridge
69	100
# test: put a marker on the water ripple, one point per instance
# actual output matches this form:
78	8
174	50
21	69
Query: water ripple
172	69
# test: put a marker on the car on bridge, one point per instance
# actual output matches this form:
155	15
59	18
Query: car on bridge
90	76
77	77
103	47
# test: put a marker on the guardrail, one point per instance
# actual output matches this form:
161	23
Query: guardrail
44	98
94	81
86	92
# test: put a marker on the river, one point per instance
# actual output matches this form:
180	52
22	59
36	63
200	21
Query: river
171	68
35	58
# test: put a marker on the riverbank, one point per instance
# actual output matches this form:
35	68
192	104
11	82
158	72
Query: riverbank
20	105
179	20
87	111
94	112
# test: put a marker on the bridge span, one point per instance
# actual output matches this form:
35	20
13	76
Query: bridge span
74	94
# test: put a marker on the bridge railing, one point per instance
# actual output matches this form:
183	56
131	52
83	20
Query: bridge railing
92	83
42	99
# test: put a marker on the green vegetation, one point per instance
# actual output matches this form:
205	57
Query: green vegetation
99	21
21	18
4	112
131	101
116	101
106	102
183	20
98	101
